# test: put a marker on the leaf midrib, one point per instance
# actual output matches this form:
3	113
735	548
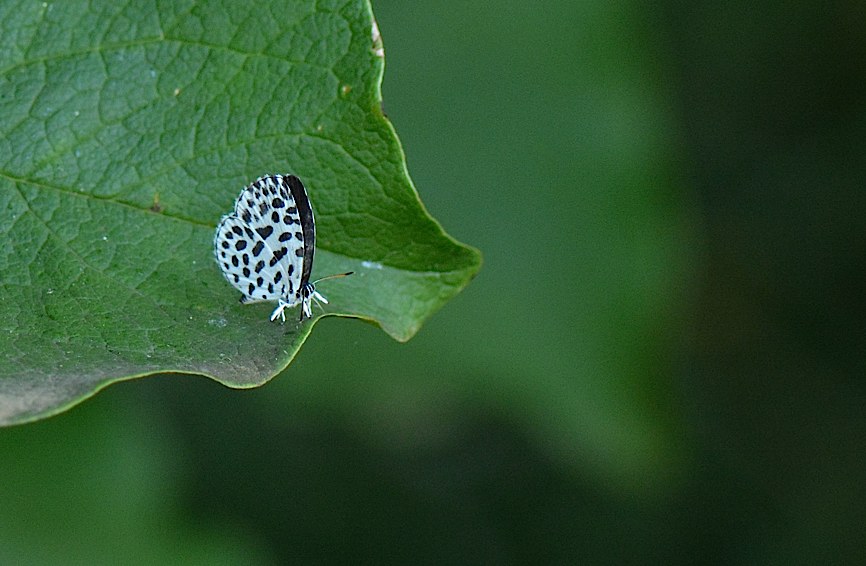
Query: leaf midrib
193	222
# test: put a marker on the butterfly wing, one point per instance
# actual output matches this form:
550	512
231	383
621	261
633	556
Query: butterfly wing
260	246
235	246
307	225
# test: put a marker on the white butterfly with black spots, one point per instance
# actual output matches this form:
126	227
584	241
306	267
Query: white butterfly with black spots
265	247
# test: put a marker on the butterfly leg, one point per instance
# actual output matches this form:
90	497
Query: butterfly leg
280	311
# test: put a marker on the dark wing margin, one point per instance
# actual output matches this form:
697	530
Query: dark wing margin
308	225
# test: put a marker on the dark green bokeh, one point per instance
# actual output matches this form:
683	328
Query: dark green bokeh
661	360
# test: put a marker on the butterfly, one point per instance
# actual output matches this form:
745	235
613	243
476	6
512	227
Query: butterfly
265	247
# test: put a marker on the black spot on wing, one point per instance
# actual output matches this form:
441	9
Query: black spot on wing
257	249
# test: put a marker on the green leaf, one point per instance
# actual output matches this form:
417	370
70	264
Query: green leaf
128	129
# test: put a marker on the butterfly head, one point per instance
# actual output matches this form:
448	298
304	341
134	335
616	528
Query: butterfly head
308	295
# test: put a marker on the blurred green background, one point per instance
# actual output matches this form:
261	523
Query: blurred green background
661	360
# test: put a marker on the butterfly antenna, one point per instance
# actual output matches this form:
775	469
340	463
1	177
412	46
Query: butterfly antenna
336	276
